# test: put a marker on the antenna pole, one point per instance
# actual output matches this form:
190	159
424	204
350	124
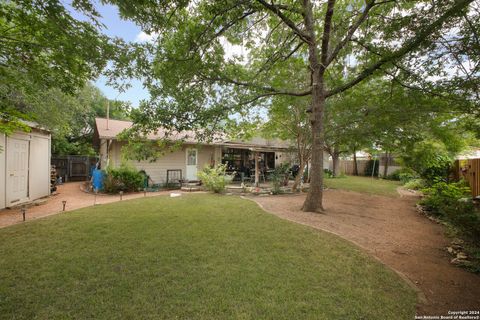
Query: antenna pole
108	111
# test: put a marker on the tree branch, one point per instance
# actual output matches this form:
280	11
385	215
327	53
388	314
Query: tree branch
350	33
276	10
268	90
410	45
326	35
277	93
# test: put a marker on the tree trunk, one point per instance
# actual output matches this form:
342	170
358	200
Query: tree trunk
385	165
313	202
355	166
335	162
299	176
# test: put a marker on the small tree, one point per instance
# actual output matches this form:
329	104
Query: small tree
215	178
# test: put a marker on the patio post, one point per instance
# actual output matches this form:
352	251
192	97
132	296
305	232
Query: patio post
257	173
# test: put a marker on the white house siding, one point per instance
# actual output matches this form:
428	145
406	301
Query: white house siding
175	160
326	160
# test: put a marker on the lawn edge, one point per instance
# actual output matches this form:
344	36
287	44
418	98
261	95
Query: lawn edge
421	298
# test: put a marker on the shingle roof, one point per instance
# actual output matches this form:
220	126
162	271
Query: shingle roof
115	127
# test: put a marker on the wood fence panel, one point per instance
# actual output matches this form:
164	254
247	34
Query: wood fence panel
470	171
346	166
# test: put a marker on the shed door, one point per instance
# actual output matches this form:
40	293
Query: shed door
17	170
191	173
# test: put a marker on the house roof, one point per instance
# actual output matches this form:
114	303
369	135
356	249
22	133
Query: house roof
34	125
110	129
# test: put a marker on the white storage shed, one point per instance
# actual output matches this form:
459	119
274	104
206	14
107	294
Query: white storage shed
24	166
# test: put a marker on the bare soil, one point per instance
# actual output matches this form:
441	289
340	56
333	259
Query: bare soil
393	231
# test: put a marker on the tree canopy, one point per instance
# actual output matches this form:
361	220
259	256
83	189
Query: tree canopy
195	82
45	50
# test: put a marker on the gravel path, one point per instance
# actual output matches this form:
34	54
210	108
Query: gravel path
391	230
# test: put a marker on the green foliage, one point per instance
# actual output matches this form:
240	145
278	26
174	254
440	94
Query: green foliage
125	178
442	195
215	179
280	177
140	148
404	175
71	118
327	173
451	201
43	47
430	160
415	184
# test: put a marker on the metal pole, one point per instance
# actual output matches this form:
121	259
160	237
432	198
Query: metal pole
257	173
108	112
24	210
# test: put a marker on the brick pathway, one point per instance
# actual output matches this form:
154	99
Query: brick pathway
75	198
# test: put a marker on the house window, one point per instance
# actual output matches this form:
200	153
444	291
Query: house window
192	157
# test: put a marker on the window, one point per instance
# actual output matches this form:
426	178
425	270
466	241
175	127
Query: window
192	157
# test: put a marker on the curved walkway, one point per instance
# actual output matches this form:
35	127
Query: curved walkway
75	198
391	230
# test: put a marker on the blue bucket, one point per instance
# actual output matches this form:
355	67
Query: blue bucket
97	179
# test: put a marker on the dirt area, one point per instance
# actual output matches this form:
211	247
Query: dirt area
75	198
393	231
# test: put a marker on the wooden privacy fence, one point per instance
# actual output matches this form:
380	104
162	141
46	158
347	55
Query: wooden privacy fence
346	166
470	171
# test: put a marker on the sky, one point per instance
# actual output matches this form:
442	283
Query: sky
114	26
129	31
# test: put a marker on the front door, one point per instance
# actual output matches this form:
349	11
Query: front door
191	173
17	170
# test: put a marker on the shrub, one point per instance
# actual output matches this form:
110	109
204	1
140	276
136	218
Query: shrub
215	179
404	175
280	177
464	216
125	178
327	173
415	184
442	195
430	160
451	201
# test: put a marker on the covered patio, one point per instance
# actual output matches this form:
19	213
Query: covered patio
252	163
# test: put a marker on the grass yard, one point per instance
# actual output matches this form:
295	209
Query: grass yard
195	257
365	184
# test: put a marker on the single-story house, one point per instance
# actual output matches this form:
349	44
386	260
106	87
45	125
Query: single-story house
194	155
24	166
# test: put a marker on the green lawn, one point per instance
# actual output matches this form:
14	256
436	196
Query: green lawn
364	184
192	257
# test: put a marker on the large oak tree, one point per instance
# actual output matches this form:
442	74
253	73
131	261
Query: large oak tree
195	83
